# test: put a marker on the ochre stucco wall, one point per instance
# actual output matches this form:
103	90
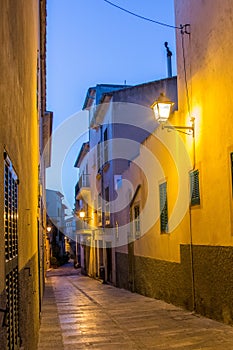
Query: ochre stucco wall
19	35
208	53
18	112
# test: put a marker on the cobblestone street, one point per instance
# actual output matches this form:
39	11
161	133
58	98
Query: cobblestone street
82	313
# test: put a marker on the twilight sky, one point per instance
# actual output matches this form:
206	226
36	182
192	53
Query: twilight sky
90	42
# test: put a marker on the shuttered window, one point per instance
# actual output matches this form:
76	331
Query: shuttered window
163	207
98	156
194	187
137	224
231	155
99	210
105	146
107	207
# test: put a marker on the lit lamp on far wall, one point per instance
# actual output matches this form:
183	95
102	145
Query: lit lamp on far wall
162	109
82	214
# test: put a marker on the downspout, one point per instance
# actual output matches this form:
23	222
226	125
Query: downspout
190	226
185	29
131	243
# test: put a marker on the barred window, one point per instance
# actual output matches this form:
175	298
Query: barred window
10	211
11	252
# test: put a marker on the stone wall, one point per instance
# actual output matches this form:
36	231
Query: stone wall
29	305
122	271
172	282
213	279
2	325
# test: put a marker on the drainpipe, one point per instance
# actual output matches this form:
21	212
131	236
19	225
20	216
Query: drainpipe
169	60
190	226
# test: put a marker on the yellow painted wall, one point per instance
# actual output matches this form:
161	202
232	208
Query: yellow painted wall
19	116
208	53
163	157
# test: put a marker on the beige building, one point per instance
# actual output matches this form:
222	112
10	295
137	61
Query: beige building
24	133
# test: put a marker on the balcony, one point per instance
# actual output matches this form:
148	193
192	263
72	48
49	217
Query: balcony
82	228
82	188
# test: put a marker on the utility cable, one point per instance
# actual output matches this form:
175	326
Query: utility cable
141	17
185	73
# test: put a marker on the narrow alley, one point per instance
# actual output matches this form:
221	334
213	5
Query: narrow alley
79	312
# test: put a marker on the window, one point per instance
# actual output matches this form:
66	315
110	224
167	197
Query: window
163	207
98	156
117	182
11	211
105	145
11	253
107	207
99	211
194	187
231	155
137	224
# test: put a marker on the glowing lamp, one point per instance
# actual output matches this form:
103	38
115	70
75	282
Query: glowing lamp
82	214
162	108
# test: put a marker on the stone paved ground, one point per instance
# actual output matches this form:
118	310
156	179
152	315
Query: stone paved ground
82	313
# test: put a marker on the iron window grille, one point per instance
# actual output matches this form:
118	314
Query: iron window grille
11	252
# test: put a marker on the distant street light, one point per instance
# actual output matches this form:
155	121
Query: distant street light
82	214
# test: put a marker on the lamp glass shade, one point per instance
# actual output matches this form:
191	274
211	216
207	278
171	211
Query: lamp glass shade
162	108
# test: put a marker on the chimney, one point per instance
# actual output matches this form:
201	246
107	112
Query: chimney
169	60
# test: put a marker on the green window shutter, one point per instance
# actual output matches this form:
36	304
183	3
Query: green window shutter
231	155
194	187
163	207
137	220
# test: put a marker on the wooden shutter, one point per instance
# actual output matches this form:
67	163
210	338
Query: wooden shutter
194	187
163	207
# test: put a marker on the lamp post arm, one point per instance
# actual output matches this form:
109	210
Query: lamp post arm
180	129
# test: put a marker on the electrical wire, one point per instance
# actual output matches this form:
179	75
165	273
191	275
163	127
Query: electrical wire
185	74
141	17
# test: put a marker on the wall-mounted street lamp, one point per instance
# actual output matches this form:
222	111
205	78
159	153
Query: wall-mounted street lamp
82	214
162	109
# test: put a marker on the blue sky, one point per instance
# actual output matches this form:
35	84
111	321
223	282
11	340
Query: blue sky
90	42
